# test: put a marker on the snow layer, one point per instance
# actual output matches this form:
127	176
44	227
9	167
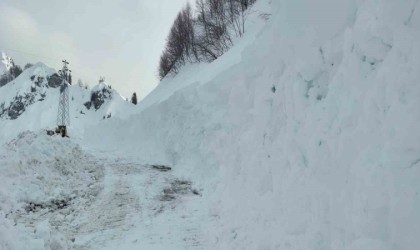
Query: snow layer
305	135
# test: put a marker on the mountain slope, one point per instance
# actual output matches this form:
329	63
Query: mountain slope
30	102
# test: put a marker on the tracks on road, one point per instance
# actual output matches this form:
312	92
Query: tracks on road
125	196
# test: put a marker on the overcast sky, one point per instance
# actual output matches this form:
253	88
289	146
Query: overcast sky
119	39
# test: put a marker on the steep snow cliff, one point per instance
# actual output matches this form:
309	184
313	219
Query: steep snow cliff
305	135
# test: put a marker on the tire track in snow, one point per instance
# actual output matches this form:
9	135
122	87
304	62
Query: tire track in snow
106	220
122	196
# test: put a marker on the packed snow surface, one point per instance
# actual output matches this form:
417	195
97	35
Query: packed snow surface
305	135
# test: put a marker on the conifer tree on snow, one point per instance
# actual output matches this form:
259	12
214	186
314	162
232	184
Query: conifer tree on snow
134	98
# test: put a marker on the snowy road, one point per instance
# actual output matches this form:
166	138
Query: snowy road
108	201
139	206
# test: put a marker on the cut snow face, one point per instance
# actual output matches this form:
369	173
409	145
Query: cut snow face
307	130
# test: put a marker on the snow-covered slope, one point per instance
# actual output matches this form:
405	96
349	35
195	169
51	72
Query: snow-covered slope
305	135
30	102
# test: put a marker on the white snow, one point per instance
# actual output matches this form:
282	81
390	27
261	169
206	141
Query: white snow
305	135
6	63
43	113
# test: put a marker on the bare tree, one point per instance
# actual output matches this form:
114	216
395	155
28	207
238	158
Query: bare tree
206	36
179	44
213	37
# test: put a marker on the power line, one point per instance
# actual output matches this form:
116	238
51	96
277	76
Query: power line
28	53
50	59
38	56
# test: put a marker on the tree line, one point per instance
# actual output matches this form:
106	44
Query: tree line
14	71
204	34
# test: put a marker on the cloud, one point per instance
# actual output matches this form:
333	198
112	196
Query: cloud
121	40
16	27
20	36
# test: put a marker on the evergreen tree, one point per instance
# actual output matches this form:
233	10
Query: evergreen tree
134	99
5	78
27	66
15	70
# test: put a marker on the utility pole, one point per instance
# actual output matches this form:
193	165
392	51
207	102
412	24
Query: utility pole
63	117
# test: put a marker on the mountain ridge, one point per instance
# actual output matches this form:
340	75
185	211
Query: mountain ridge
34	94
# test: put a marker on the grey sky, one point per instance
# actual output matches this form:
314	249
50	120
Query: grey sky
119	39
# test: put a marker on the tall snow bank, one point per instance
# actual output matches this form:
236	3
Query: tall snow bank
305	135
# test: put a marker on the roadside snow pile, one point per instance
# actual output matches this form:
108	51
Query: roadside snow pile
38	168
41	174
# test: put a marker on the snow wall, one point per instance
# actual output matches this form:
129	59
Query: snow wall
305	135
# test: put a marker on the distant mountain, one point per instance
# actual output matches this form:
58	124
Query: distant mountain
30	101
30	87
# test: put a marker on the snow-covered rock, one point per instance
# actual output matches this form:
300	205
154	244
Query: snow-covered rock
6	62
99	95
30	102
29	87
